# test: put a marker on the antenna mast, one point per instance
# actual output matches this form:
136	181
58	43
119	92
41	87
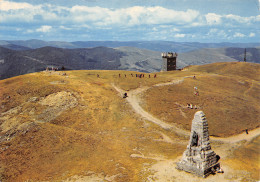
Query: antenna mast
245	56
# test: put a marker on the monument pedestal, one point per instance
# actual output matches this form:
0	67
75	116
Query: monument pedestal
199	158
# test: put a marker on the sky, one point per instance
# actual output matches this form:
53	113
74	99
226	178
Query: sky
131	20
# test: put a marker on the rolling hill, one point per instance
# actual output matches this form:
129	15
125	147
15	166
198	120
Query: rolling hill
78	127
212	55
15	63
143	60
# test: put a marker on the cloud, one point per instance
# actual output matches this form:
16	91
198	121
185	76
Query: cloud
136	22
252	34
228	20
179	35
240	19
98	16
29	31
6	5
65	28
257	18
44	29
30	14
155	29
213	19
131	16
214	32
237	34
175	30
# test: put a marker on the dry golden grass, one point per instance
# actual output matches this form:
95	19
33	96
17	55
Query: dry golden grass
237	69
246	158
231	103
100	134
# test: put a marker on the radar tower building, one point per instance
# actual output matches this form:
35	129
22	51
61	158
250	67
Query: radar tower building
169	61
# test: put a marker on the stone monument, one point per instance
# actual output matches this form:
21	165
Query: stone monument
198	158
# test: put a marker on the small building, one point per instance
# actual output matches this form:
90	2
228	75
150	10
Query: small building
169	61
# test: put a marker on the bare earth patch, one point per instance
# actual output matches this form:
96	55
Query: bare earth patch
56	104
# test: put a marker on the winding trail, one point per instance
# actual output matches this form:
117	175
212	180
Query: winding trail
237	138
250	87
33	59
134	100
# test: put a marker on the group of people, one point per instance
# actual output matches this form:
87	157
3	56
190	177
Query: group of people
52	69
191	106
196	92
138	75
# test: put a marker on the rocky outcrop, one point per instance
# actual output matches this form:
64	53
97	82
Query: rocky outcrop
199	158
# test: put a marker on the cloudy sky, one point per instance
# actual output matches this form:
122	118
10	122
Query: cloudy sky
130	20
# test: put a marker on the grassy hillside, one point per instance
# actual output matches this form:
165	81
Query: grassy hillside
76	126
237	70
246	158
228	94
54	126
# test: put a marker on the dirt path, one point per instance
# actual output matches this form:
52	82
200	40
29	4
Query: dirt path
37	60
237	138
135	101
250	87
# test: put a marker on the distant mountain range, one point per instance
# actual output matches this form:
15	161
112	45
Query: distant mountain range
14	62
162	46
18	58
